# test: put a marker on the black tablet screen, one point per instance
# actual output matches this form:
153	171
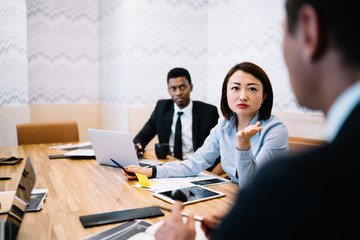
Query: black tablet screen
189	194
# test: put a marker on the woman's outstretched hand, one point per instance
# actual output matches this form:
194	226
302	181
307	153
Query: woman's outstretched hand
243	136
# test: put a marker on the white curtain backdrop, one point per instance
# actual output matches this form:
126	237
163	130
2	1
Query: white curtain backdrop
117	53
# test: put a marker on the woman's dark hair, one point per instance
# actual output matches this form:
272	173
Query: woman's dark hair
259	73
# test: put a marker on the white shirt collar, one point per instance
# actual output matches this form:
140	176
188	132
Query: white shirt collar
341	109
186	110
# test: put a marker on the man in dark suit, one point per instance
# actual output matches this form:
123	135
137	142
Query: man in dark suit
315	195
197	118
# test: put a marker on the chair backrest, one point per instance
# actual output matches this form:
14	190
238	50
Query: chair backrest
49	132
298	145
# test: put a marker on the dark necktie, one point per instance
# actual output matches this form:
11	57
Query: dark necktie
178	138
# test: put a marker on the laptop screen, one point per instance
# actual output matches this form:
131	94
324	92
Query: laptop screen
21	200
113	144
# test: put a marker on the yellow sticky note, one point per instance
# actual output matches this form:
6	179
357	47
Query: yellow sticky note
143	179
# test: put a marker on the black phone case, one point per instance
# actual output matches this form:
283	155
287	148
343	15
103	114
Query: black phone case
71	157
10	161
120	216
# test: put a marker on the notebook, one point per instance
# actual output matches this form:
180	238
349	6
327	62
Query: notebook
12	215
118	146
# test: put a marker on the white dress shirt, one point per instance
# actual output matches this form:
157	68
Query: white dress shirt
186	129
341	109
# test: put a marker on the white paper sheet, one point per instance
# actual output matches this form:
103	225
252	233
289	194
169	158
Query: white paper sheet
166	184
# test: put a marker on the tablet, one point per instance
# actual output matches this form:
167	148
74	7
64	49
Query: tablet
189	195
211	181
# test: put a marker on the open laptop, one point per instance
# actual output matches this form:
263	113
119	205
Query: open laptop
118	146
11	218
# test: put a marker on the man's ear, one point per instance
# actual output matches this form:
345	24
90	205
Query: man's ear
311	33
191	87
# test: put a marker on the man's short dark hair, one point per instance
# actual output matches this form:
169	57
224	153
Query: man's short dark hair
339	22
179	72
259	73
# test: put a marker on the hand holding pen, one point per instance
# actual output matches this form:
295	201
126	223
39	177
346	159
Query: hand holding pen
130	171
184	214
120	166
174	226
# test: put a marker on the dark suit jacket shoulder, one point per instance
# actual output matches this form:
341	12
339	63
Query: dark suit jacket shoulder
312	195
205	117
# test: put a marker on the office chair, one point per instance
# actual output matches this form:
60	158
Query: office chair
298	145
49	132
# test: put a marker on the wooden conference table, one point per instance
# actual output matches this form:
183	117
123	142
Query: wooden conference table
83	187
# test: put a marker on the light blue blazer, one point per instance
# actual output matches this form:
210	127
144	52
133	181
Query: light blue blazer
271	143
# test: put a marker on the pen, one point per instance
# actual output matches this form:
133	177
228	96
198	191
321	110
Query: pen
196	217
5	178
119	165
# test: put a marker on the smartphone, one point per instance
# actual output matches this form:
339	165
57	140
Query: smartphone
206	182
118	164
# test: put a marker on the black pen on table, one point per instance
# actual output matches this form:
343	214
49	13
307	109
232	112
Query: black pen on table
5	178
196	217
